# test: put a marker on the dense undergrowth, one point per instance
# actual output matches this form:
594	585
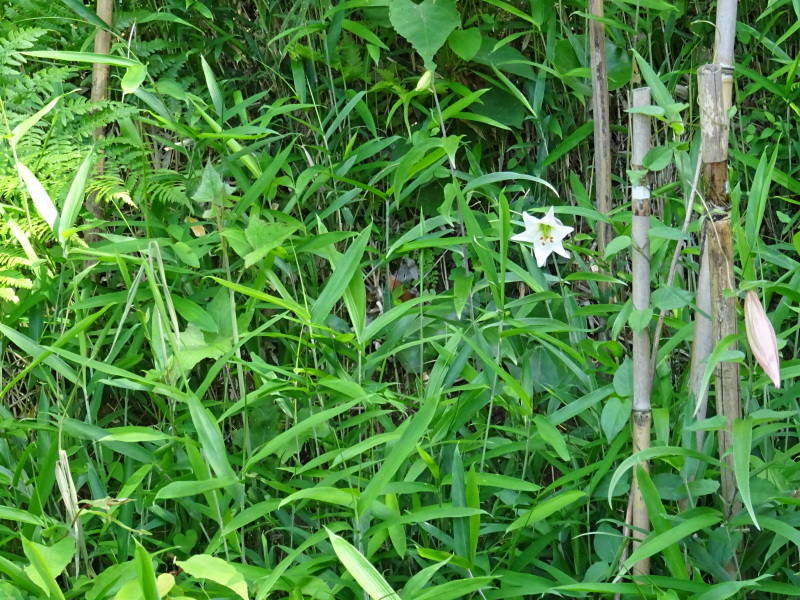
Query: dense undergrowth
303	360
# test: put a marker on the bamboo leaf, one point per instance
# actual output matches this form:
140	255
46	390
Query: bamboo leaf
542	510
742	447
74	201
337	284
367	576
145	572
414	429
657	542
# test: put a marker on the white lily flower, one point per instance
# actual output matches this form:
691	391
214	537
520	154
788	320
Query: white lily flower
546	234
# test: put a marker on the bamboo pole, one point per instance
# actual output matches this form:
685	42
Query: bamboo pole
602	123
714	127
102	45
640	267
724	40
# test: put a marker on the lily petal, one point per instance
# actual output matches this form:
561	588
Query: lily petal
546	235
761	336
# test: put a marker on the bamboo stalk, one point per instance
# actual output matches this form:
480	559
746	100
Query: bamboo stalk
640	267
602	124
714	127
102	45
723	46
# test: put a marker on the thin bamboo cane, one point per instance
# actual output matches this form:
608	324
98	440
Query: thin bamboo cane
602	123
714	128
642	378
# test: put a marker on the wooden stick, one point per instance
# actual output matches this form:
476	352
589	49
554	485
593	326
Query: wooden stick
102	45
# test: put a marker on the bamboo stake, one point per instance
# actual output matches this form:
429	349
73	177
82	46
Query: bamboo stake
714	127
102	45
602	124
642	377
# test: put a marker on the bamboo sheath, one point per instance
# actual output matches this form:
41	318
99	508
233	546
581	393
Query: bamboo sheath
718	234
640	265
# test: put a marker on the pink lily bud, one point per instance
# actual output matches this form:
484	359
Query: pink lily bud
761	336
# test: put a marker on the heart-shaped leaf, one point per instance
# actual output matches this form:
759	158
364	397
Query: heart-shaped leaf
425	25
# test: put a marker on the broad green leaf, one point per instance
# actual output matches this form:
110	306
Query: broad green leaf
329	495
194	314
657	158
204	566
671	298
426	25
186	254
133	78
655	452
619	243
571	141
47	563
639	320
616	414
213	87
250	514
465	42
451	590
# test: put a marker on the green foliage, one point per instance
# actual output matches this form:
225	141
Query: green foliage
302	359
